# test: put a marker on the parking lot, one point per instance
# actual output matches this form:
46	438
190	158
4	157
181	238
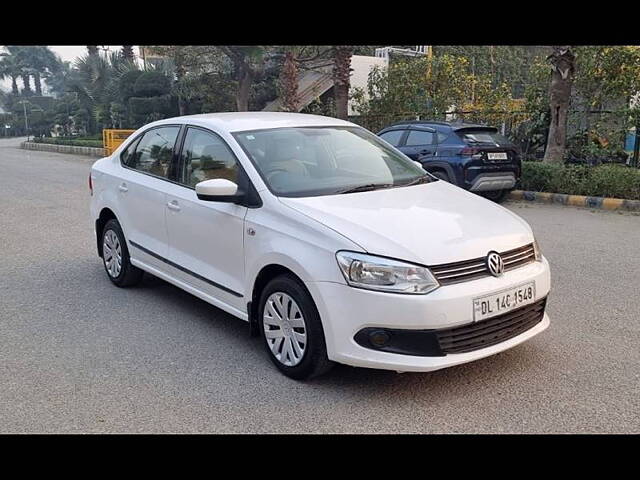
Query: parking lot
80	355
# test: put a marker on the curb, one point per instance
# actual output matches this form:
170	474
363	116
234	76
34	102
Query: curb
72	149
604	203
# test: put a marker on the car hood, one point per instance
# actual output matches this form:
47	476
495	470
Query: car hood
431	223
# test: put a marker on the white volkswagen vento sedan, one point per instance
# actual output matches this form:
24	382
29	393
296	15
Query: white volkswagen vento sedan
332	244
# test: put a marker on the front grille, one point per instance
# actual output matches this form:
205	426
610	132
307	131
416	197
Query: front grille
448	273
474	336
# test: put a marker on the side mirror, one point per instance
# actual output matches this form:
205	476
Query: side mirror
418	164
218	190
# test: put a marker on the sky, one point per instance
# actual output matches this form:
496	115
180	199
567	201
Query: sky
68	53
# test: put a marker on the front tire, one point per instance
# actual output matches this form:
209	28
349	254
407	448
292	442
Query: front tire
291	329
115	256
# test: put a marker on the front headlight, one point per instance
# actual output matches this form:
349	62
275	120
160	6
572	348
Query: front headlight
536	251
385	275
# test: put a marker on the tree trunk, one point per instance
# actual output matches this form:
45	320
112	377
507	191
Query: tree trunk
127	53
341	73
38	83
289	83
563	65
92	49
14	85
26	81
245	78
180	73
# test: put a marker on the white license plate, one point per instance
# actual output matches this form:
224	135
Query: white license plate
503	301
497	156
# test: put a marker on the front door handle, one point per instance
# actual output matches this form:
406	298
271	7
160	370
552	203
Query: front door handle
173	205
123	188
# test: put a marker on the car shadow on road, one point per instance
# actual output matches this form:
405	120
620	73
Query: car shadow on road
505	367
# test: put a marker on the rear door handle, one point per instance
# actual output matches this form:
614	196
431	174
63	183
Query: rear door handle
173	205
424	152
123	188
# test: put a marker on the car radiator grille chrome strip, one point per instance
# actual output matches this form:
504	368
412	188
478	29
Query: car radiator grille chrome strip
456	272
474	336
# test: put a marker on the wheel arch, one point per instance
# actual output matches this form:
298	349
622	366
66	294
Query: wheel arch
264	276
106	214
442	166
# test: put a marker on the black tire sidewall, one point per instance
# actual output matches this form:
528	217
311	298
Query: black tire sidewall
496	196
315	355
441	175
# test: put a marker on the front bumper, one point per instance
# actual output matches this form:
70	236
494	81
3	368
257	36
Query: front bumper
345	311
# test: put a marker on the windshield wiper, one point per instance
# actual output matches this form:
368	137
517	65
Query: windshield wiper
366	188
423	179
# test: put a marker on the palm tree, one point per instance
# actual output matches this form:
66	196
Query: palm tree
23	69
41	62
289	82
10	68
341	73
34	61
90	82
127	53
562	60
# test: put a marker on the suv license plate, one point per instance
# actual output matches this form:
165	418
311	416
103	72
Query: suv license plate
497	156
502	302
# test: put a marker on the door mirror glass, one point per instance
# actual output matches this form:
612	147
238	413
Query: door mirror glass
217	190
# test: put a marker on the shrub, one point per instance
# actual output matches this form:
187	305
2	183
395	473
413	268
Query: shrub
127	83
66	141
618	181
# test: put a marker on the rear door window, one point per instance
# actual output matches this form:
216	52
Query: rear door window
154	152
419	137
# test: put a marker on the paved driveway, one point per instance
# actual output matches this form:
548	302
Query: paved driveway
79	355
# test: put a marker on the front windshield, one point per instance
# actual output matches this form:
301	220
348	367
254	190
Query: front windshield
312	161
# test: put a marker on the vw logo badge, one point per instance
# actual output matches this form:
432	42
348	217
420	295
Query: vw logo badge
495	265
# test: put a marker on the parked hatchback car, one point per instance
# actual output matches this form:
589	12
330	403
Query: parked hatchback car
474	157
331	244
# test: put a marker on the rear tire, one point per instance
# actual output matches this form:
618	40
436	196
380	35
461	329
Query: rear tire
441	175
291	329
115	256
495	195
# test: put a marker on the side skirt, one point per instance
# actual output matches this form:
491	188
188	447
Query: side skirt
192	290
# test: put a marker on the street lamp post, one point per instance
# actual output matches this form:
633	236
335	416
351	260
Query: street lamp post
26	122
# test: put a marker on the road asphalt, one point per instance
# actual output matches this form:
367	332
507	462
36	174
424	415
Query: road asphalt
80	355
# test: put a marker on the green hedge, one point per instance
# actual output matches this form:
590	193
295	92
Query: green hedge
66	141
618	181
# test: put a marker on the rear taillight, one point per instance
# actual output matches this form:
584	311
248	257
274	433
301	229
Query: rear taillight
90	185
471	151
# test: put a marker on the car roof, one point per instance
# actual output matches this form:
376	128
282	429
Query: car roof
427	123
242	121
